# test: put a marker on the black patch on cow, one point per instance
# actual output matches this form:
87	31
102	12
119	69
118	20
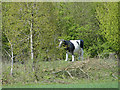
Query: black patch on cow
81	43
77	42
69	46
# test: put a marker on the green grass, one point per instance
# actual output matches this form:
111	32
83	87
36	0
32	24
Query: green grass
85	85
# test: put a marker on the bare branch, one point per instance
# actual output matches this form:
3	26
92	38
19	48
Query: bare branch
69	74
7	53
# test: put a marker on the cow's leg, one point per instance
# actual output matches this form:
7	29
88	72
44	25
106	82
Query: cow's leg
79	54
82	52
66	56
73	58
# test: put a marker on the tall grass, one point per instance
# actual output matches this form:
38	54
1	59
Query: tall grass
55	72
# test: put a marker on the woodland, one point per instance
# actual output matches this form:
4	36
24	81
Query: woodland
30	31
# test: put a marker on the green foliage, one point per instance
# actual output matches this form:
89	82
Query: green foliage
107	14
95	23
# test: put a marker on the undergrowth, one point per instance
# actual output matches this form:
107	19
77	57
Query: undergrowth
89	70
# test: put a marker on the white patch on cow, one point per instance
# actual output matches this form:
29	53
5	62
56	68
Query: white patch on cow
77	47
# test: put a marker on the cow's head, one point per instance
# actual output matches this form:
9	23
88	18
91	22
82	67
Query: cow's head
61	42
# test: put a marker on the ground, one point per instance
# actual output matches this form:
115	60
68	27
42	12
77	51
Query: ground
90	73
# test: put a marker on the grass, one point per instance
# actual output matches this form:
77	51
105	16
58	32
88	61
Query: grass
86	85
93	73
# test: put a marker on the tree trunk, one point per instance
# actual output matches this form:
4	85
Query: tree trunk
31	45
12	56
11	73
31	42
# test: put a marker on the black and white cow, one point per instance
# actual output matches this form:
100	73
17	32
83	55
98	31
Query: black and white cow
72	46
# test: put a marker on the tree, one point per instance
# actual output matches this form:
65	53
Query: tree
107	14
16	30
34	28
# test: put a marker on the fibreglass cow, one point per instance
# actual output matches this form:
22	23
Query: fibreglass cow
72	46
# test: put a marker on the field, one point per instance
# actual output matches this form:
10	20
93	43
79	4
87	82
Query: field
85	85
90	73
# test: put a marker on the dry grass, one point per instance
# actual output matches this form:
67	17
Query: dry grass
62	72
